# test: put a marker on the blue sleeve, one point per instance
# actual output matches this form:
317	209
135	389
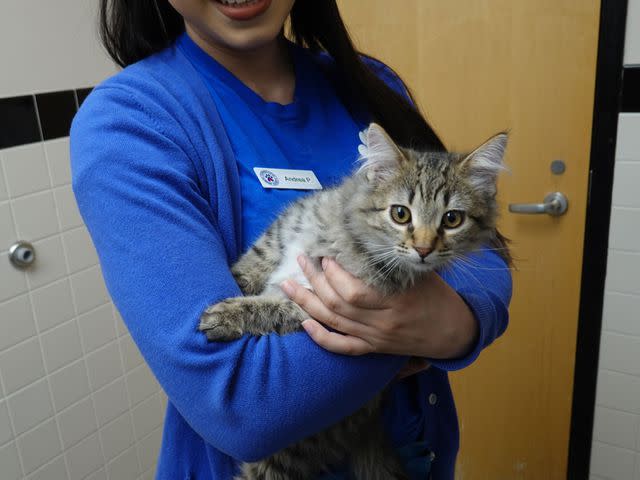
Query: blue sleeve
483	280
163	261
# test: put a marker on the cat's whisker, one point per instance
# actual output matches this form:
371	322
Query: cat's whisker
449	269
380	250
473	264
372	247
468	272
375	263
386	269
488	249
391	266
377	257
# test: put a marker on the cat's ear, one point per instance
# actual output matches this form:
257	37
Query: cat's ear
379	155
482	166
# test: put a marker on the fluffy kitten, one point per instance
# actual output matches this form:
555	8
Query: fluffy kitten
402	214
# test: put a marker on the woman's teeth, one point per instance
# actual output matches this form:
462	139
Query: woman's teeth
238	2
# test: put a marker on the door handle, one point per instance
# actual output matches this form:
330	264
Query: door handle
555	204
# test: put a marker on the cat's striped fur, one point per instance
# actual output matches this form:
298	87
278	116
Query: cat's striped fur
354	223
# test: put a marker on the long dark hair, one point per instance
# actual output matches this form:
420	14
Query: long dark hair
134	29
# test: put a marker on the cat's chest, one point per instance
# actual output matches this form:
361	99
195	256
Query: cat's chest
289	268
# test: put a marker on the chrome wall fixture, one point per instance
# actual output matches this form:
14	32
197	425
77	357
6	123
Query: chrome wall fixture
22	254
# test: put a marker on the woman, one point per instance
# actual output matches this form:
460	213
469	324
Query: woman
163	156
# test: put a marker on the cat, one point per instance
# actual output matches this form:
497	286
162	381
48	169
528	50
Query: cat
402	214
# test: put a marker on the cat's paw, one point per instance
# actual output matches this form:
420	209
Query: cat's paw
221	322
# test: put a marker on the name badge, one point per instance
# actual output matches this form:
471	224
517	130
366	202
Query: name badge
287	179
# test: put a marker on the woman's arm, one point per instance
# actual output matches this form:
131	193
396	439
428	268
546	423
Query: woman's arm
164	260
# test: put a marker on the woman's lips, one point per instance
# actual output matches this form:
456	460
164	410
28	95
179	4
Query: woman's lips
242	10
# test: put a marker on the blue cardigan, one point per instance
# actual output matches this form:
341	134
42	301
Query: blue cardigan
157	185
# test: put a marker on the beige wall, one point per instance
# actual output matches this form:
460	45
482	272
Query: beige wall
49	45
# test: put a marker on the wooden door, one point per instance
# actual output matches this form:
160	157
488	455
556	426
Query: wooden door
478	67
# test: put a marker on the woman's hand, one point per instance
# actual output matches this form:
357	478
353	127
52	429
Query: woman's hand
429	320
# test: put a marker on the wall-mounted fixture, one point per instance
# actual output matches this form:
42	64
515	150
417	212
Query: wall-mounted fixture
22	254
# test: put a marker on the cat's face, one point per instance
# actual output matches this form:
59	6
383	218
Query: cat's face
424	208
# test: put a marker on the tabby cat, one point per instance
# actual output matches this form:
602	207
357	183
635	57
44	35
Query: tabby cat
402	214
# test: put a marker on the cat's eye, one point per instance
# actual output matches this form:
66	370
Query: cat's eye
452	219
400	214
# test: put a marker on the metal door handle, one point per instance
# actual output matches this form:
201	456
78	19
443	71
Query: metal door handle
555	204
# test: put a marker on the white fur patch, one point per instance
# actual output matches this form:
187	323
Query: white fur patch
288	269
379	155
485	163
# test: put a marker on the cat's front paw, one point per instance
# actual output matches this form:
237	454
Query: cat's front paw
221	322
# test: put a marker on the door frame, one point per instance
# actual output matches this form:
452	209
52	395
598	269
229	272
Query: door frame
607	106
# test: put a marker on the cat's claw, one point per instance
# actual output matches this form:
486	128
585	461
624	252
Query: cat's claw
215	323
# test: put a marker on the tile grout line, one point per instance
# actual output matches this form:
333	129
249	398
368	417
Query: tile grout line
68	407
37	109
72	362
14	438
622	294
86	371
15	223
154	466
60	279
129	400
63	410
122	454
75	99
635	376
82	347
49	462
49	237
50	188
46	369
626	208
616	409
15	226
634	336
630	450
625	251
638	443
126	386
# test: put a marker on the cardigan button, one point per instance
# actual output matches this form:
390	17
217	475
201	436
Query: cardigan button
433	399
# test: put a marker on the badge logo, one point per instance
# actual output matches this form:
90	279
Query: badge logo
269	177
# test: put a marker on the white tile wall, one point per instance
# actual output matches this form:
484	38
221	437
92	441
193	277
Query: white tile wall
632	40
30	406
56	321
26	169
11	469
76	399
616	432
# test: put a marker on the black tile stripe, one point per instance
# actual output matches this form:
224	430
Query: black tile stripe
18	121
33	118
82	93
56	110
631	90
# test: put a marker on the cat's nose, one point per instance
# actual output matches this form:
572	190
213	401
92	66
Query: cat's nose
422	251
